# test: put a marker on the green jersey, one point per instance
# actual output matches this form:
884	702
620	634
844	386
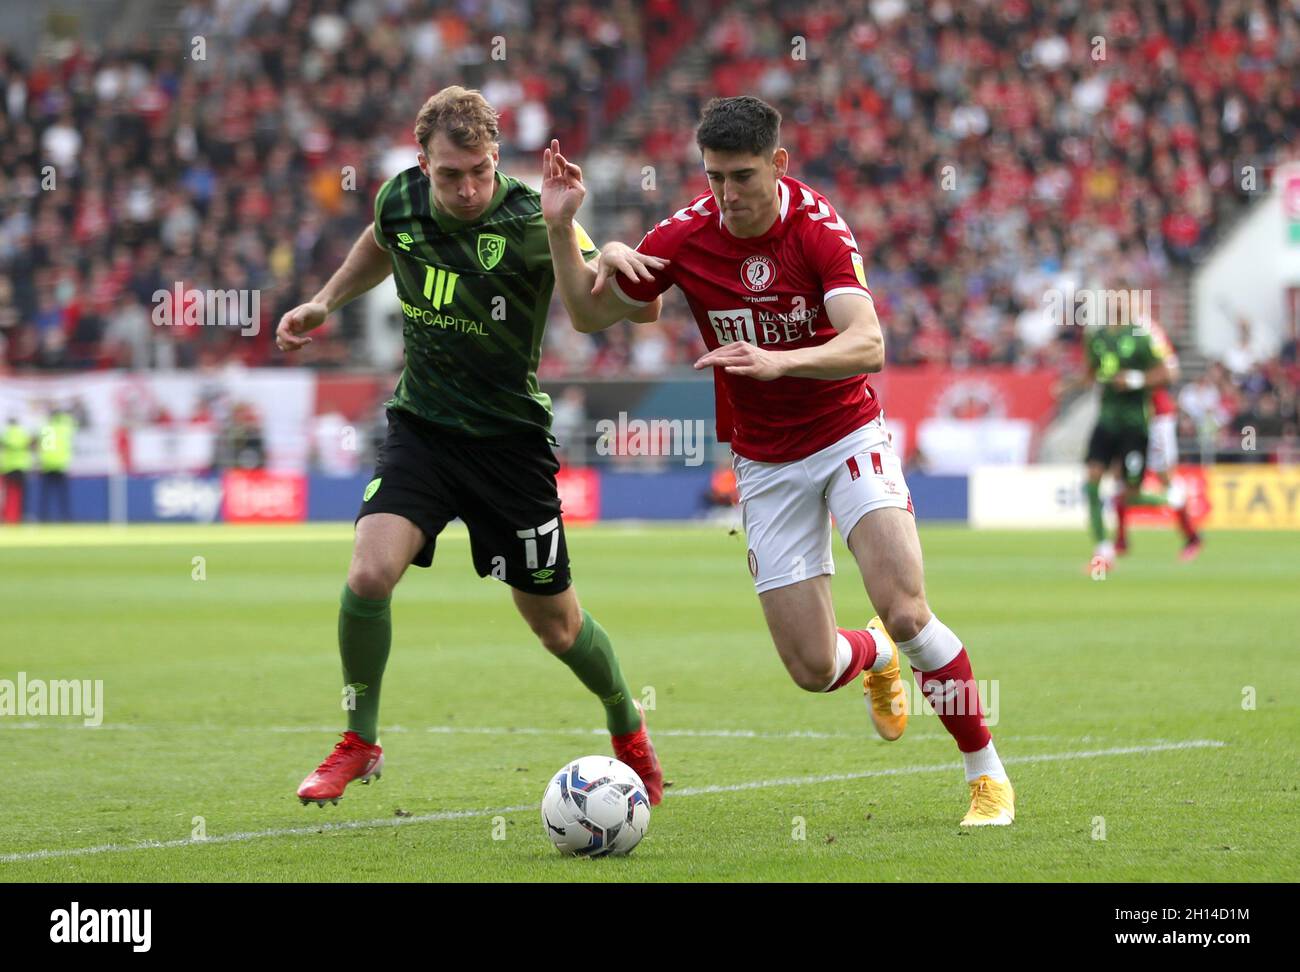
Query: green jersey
1111	350
474	299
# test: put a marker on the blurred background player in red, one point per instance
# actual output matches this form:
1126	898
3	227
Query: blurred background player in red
1162	460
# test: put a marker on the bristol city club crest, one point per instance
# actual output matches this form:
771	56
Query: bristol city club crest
758	272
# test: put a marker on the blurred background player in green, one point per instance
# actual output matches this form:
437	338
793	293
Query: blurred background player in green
1128	362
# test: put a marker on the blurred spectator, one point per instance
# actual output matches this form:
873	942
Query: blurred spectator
1242	356
15	464
55	447
569	426
1263	423
239	441
1289	356
1199	401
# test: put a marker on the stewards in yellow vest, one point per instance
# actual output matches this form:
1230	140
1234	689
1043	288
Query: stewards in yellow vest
55	449
15	463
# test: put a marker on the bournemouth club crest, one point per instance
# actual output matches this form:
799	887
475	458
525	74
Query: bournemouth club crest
758	272
491	248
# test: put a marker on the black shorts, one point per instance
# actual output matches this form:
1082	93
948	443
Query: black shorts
1129	446
503	487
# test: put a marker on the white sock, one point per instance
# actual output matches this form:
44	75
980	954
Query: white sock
884	651
933	647
843	656
985	762
1177	494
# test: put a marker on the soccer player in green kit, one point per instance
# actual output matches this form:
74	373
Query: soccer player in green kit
1128	362
468	427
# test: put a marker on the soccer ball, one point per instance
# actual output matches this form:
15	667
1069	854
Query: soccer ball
595	806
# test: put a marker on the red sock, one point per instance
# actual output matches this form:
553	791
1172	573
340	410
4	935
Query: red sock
863	647
1185	522
955	698
1121	518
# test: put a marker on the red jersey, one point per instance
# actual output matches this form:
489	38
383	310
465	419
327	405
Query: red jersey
771	291
1162	400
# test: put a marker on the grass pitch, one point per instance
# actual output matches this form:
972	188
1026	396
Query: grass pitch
1149	720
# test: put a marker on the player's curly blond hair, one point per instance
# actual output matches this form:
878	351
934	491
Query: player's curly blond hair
463	114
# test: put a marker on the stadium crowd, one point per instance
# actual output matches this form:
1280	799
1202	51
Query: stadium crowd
982	153
242	150
1245	408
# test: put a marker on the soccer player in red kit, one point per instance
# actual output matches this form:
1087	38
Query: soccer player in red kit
779	290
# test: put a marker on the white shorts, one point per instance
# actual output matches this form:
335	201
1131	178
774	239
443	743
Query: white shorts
1162	446
787	507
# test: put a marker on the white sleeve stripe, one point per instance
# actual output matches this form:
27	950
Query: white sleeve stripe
613	282
848	290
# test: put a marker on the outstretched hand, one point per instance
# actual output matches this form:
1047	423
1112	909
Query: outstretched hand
743	358
562	188
290	334
620	258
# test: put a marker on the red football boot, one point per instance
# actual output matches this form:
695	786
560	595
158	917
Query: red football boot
352	759
634	748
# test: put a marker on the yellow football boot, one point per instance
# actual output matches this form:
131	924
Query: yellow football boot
886	697
992	803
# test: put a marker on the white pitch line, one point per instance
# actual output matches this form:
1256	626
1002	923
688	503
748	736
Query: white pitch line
43	855
508	731
910	770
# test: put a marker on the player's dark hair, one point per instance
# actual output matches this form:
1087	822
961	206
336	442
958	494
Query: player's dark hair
745	124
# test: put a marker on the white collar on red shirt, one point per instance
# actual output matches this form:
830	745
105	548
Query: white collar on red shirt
783	201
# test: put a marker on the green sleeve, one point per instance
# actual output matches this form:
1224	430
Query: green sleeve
537	249
1090	356
378	226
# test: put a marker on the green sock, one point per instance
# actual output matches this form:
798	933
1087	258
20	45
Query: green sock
365	636
1093	492
1149	499
592	659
